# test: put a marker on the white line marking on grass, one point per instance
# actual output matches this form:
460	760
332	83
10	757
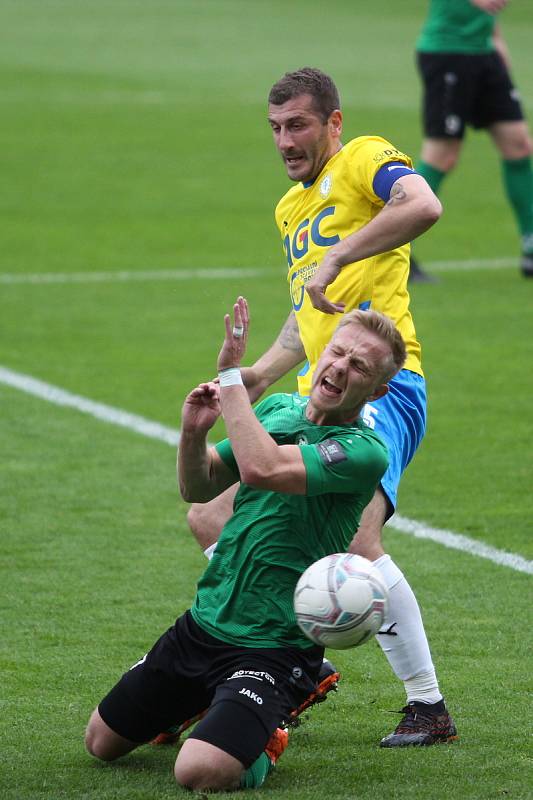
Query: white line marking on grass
125	276
208	273
153	430
60	397
474	264
457	541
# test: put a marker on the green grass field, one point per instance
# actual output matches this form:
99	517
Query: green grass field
134	139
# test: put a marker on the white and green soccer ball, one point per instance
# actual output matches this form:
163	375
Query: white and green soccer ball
341	601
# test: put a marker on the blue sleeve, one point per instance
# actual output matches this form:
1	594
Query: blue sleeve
387	175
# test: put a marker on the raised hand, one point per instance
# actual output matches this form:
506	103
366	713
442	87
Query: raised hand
234	345
201	408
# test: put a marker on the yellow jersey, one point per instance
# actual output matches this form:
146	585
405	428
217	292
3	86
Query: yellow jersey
313	217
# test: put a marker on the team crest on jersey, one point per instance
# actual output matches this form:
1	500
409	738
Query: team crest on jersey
301	439
325	186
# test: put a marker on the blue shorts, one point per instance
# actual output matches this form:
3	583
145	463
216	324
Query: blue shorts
399	419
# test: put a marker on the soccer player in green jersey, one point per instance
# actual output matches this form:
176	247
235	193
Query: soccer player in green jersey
465	69
307	468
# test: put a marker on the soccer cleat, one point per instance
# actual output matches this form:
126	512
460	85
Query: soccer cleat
526	265
417	274
420	726
328	681
277	744
171	735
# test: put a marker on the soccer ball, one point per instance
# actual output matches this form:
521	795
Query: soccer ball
340	601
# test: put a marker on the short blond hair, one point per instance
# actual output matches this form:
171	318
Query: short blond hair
386	330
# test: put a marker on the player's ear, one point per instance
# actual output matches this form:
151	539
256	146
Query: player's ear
335	122
379	391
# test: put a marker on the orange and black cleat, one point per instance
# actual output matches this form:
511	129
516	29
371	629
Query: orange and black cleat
328	681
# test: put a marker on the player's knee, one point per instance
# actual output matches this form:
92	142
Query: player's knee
448	160
442	154
527	146
203	776
198	519
518	148
96	745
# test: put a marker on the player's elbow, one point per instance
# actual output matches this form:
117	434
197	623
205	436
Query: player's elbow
251	475
255	475
428	212
431	210
194	494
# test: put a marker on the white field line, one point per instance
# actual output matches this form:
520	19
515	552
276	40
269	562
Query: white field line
60	397
154	430
473	264
124	276
456	541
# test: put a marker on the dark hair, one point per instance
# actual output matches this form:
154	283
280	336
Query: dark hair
307	80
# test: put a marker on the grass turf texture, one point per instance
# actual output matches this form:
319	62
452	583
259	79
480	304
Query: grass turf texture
131	136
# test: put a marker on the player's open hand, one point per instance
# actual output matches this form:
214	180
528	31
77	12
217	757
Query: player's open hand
317	285
234	345
201	408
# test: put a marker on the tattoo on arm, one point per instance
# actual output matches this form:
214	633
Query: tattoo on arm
397	194
289	337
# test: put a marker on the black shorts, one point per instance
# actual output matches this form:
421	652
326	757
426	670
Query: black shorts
248	691
461	90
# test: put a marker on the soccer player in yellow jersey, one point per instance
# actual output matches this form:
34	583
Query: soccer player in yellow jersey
345	228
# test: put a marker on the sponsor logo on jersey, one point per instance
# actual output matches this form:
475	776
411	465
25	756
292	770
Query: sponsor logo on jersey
297	285
297	246
331	451
325	186
387	154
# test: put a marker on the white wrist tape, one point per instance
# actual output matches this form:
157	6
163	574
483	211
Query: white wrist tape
230	377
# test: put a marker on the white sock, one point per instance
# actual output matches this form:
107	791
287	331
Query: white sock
208	552
408	651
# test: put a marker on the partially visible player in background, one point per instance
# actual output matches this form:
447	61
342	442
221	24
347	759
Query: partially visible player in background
465	68
345	228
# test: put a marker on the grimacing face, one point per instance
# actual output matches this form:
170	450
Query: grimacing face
304	141
349	373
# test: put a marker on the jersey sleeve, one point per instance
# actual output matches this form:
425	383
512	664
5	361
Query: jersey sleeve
369	155
225	451
344	465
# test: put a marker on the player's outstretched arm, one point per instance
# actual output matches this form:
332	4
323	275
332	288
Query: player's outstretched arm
262	463
202	474
410	211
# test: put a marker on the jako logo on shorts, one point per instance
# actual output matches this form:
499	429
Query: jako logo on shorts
253	696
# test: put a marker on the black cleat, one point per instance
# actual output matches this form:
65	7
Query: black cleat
526	265
417	274
328	681
421	726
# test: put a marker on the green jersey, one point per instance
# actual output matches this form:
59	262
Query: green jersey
456	26
245	596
